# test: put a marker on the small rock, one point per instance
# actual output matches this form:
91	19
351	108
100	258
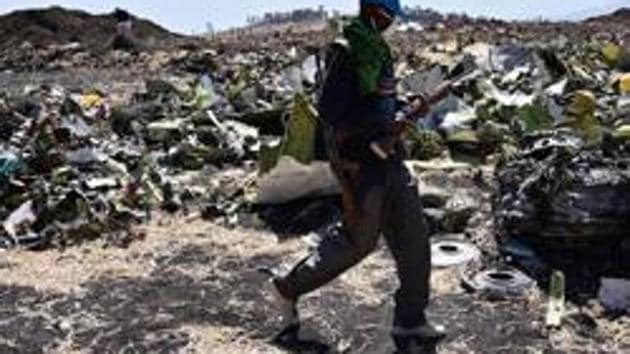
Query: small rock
458	212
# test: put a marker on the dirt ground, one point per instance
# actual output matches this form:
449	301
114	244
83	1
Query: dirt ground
192	287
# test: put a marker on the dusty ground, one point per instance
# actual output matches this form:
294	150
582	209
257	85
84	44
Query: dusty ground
191	287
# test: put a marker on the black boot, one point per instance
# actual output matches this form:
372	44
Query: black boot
419	340
287	308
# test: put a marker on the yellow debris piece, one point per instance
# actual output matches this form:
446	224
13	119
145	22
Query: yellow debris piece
582	103
612	53
581	112
622	132
624	83
91	101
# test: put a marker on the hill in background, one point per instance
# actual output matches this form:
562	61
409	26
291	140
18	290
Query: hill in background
56	25
621	15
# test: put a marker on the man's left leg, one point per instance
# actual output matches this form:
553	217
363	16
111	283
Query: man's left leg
336	252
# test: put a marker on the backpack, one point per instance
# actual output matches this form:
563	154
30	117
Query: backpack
336	86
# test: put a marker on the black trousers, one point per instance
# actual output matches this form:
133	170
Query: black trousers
387	203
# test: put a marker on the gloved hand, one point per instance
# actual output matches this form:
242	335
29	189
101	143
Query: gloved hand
385	145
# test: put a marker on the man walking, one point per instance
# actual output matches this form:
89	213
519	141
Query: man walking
124	38
359	104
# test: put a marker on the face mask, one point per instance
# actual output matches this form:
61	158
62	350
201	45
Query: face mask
389	30
378	19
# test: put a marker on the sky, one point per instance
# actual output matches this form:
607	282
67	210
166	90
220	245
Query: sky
191	16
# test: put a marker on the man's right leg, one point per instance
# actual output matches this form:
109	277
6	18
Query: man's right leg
337	253
406	235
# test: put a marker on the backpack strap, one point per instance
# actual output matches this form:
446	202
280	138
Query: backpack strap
331	53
